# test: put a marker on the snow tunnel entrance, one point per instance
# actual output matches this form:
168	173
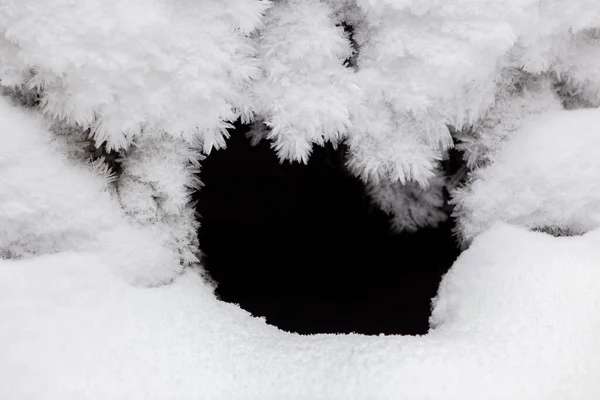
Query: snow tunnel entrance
302	246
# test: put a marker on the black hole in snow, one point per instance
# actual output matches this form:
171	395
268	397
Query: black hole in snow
301	246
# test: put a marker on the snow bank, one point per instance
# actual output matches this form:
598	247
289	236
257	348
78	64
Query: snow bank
517	317
547	174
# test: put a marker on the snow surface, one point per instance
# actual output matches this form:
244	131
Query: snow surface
517	317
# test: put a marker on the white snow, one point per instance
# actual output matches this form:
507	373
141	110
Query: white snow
96	306
119	66
546	174
517	318
410	206
50	203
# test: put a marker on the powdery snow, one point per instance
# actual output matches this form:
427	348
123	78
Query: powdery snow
517	317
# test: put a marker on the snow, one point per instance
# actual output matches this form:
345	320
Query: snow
50	203
516	317
121	66
95	305
146	67
410	207
544	175
306	93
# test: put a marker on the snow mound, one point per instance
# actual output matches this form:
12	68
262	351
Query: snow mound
546	175
517	317
50	203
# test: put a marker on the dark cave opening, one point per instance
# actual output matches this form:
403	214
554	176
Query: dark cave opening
301	245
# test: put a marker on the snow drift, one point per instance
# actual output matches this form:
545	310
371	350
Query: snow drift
517	317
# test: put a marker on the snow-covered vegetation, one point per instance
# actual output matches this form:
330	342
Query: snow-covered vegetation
514	85
544	177
404	84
